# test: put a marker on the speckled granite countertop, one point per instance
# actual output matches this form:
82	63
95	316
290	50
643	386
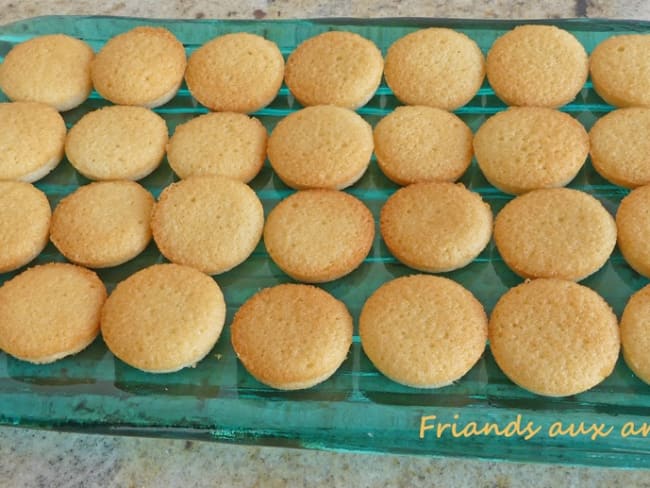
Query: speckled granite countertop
39	458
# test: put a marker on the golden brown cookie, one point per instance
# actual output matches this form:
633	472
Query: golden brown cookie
537	65
319	235
435	227
526	148
437	67
635	333
50	311
163	318
143	66
292	337
555	233
212	223
24	223
237	72
554	337
52	69
321	147
633	226
423	331
334	68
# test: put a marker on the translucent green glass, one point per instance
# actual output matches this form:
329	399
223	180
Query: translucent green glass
357	409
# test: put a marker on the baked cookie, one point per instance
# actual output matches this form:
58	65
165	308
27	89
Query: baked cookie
635	333
633	226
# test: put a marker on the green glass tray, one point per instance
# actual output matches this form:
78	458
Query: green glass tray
357	409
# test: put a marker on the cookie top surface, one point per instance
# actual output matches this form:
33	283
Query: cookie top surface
321	147
237	72
103	224
117	142
620	147
554	337
319	235
32	136
620	70
211	223
555	233
163	318
53	69
537	65
225	143
423	331
24	223
50	311
334	68
143	66
633	229
436	67
416	143
435	227
635	333
526	148
292	336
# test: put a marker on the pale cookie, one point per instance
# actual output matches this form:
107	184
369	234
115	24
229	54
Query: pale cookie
24	224
32	136
49	312
555	233
163	318
117	142
237	72
620	146
334	68
415	144
436	67
554	337
211	223
635	333
103	224
620	70
633	225
319	235
423	331
224	143
537	65
321	147
292	337
435	227
526	148
143	66
53	69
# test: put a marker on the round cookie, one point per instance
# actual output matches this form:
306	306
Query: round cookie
321	147
635	333
415	144
53	69
555	233
633	226
163	318
291	336
526	148
620	147
143	66
437	67
117	142
319	235
224	143
103	224
620	70
49	312
537	65
334	68
211	223
435	227
554	337
237	72
423	331
24	224
32	136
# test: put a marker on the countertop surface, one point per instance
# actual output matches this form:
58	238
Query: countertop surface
42	458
